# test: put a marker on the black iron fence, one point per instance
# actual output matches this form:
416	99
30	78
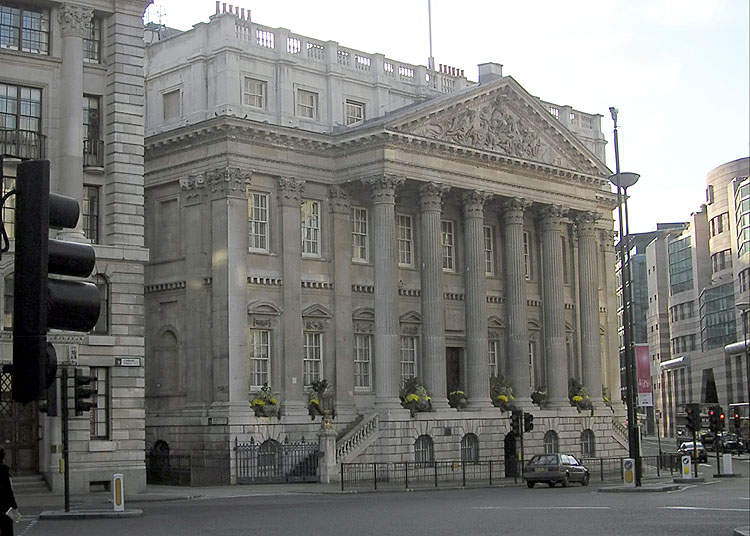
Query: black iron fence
420	475
273	462
168	469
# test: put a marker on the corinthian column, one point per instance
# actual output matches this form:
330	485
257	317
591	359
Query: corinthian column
386	291
74	24
290	196
433	317
515	299
588	268
477	370
553	305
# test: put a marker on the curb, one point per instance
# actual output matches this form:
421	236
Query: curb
641	489
742	531
689	480
89	514
726	475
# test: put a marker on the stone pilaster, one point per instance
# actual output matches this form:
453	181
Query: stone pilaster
588	286
74	22
290	197
609	286
433	315
228	190
387	375
342	299
477	370
553	305
515	299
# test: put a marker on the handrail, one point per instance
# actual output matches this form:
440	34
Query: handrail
355	436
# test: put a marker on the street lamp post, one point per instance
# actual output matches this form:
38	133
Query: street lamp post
623	180
744	307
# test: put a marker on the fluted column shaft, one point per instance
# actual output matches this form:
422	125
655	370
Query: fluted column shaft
290	196
74	23
588	267
342	254
477	370
553	305
386	291
515	299
433	316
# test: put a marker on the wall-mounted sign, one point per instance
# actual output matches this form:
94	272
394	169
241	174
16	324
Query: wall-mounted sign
128	361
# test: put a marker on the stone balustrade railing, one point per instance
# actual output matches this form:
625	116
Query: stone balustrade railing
351	441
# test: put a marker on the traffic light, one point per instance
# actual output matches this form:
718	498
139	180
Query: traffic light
528	422
722	419
737	422
693	412
48	401
515	422
713	419
39	303
84	392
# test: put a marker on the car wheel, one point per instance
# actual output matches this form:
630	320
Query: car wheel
586	480
530	483
565	481
551	484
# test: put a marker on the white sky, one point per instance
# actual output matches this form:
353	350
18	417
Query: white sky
677	70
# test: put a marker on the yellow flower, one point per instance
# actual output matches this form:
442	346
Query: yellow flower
578	398
315	401
412	398
427	398
258	402
503	398
512	397
273	401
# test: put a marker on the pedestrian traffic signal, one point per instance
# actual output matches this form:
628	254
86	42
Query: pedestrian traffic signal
516	422
722	419
528	422
85	392
39	303
693	412
713	419
737	422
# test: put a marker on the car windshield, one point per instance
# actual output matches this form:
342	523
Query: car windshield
690	445
544	459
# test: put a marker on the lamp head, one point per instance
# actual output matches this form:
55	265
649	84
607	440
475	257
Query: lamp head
613	113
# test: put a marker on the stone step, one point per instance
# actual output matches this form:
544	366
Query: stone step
28	484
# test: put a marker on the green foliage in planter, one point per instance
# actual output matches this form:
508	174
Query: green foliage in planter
539	396
414	396
457	399
578	395
501	392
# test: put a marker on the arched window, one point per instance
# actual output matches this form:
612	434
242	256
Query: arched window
269	458
424	450
551	442
102	325
470	448
588	443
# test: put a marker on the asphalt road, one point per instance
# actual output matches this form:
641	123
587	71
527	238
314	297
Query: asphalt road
714	508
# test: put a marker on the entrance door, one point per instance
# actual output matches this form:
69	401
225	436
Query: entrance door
453	369
511	458
18	430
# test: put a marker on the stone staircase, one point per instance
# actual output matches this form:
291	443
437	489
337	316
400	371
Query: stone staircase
357	439
30	485
620	433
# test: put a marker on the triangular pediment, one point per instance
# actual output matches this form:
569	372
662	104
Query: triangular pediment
316	311
412	317
500	117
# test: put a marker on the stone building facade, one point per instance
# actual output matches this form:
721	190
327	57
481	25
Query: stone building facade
71	91
317	212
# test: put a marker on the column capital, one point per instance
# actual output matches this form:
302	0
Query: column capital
229	181
586	222
384	187
290	191
474	201
431	196
340	199
513	209
193	187
551	216
75	21
607	239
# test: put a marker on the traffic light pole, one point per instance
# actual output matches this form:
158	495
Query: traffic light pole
66	474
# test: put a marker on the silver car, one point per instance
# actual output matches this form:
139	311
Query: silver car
554	468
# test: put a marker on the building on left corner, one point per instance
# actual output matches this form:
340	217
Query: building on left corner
71	91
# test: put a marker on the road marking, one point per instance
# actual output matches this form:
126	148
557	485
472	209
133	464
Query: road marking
711	482
705	508
541	508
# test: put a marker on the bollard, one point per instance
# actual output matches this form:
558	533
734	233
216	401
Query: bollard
118	492
628	472
726	464
686	472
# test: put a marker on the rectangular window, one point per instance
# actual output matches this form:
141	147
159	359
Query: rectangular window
258	221
310	228
260	358
355	112
171	102
307	104
313	359
25	29
526	256
93	146
99	415
90	213
405	240
254	93
680	265
362	360
489	250
92	42
448	238
102	323
359	234
565	267
492	353
408	357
